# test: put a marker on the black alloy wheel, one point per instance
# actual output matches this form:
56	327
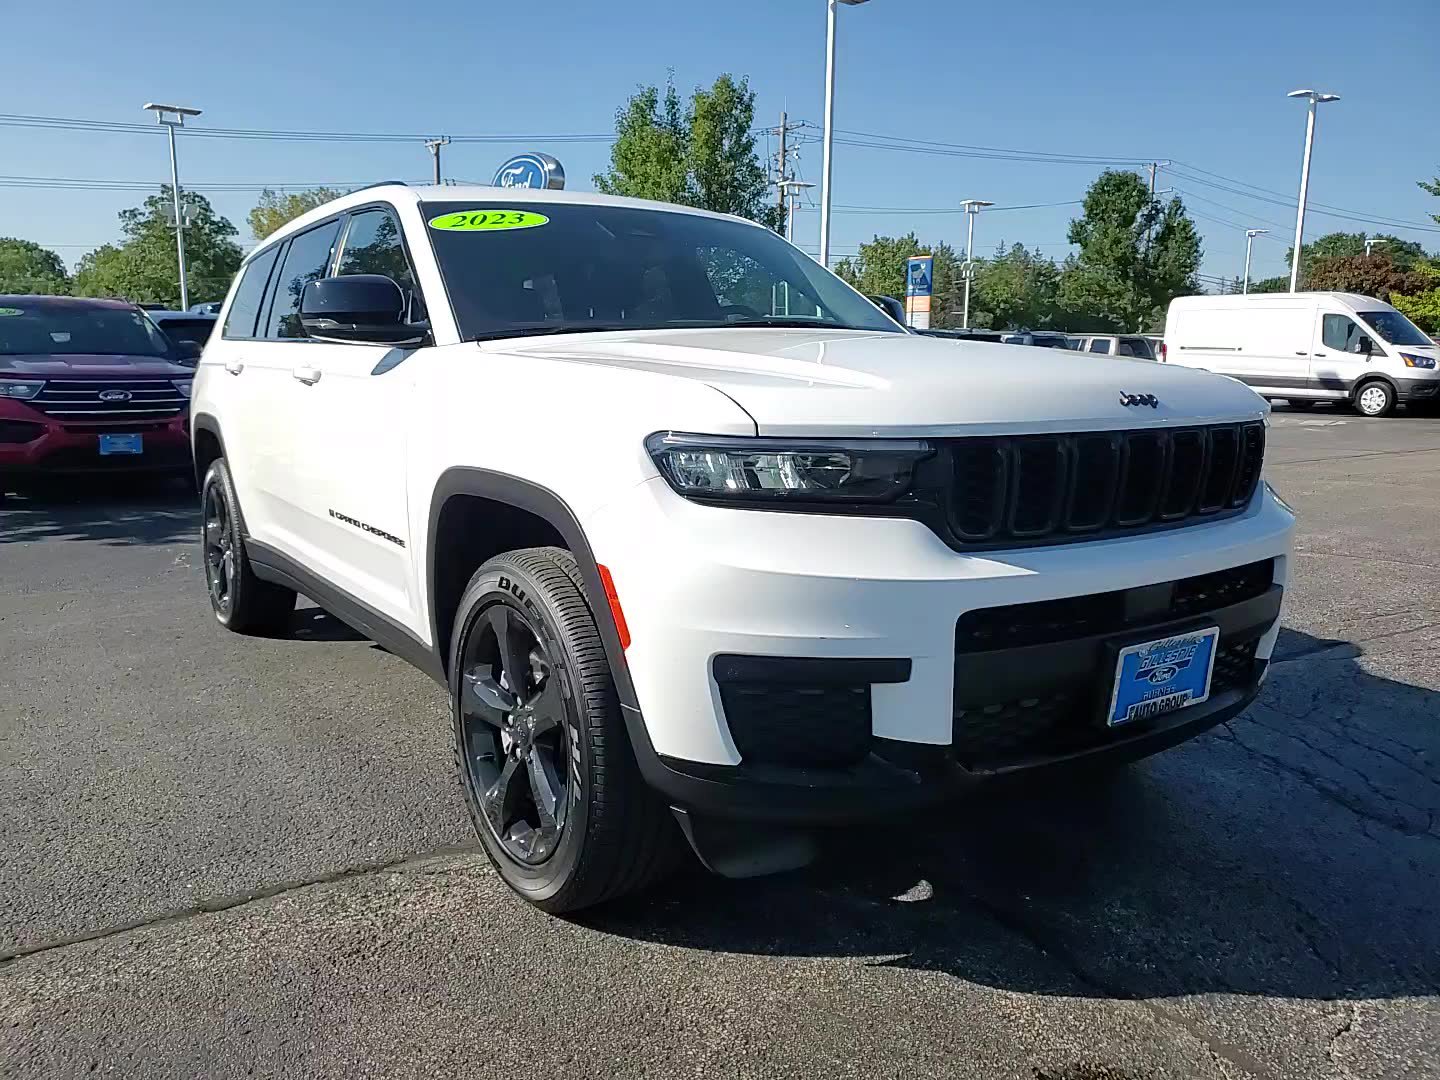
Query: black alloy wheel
517	746
219	542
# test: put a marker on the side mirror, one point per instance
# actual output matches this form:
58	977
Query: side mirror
358	309
1365	345
189	350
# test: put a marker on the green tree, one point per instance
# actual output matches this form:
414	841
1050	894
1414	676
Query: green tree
700	155
1423	304
144	268
275	209
879	270
1375	275
26	267
1434	189
1136	255
1403	253
1271	284
1017	289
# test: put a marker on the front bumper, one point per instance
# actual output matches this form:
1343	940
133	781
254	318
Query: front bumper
34	445
701	586
1419	389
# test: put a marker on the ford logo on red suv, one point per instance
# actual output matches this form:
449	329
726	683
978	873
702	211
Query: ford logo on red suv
114	395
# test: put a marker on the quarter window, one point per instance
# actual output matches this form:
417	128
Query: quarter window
245	308
1340	333
1100	345
307	260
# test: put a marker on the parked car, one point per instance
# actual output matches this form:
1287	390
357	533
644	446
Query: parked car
184	326
1044	339
89	386
1133	345
211	307
1307	347
690	566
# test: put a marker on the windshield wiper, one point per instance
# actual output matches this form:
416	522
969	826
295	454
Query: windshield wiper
787	322
544	329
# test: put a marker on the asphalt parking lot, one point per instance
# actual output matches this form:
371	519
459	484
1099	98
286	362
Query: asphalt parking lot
238	857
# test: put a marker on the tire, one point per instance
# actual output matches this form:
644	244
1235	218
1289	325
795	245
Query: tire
549	777
241	601
1375	398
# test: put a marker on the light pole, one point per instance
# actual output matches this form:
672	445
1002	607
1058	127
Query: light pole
789	188
829	134
1371	243
972	209
1250	235
1315	98
173	116
434	145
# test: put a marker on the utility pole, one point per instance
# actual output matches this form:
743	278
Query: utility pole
782	171
434	145
788	189
173	116
1250	235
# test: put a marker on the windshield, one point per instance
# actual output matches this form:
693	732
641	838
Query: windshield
63	329
596	267
1395	328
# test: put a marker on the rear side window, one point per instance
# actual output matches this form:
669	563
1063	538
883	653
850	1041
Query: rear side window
1339	332
307	260
1100	345
1136	346
245	308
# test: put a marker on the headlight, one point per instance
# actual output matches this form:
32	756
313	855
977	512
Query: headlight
1411	360
23	389
770	471
183	385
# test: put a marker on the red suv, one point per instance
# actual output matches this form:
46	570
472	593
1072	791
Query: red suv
89	386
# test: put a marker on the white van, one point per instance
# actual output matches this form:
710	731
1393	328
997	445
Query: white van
1307	347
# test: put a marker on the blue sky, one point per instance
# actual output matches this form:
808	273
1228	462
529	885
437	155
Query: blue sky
1200	84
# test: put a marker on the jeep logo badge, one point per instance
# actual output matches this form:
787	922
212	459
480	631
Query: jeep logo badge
1136	400
114	395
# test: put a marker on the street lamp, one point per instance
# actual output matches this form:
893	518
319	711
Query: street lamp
972	208
1250	235
1371	243
829	134
173	116
790	188
1315	98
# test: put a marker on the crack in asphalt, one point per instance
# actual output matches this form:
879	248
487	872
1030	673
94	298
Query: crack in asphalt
1345	1027
1331	794
417	863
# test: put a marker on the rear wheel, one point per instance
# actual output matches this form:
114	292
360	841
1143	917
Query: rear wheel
549	777
241	601
1375	398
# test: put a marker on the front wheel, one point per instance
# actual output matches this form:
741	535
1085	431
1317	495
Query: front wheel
1375	398
540	745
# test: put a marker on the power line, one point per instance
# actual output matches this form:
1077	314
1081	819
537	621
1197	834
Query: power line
971	148
1312	208
77	124
851	209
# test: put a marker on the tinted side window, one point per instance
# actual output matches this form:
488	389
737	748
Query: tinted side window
306	261
1339	332
1100	345
245	309
1136	346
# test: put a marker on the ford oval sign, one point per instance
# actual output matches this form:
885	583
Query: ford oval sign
530	171
114	395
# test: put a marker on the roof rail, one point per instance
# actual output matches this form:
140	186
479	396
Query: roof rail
378	183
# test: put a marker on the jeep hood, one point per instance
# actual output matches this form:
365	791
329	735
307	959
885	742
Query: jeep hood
90	365
860	383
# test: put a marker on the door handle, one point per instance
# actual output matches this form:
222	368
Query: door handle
308	375
234	367
1301	352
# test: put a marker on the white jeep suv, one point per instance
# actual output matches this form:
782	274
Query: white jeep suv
701	543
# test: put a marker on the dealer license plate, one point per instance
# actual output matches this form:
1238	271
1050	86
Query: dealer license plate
121	444
1158	677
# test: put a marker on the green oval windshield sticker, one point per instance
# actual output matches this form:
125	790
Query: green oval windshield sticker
11	311
488	220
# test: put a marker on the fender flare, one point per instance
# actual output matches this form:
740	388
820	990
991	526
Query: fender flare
549	507
1375	376
203	422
